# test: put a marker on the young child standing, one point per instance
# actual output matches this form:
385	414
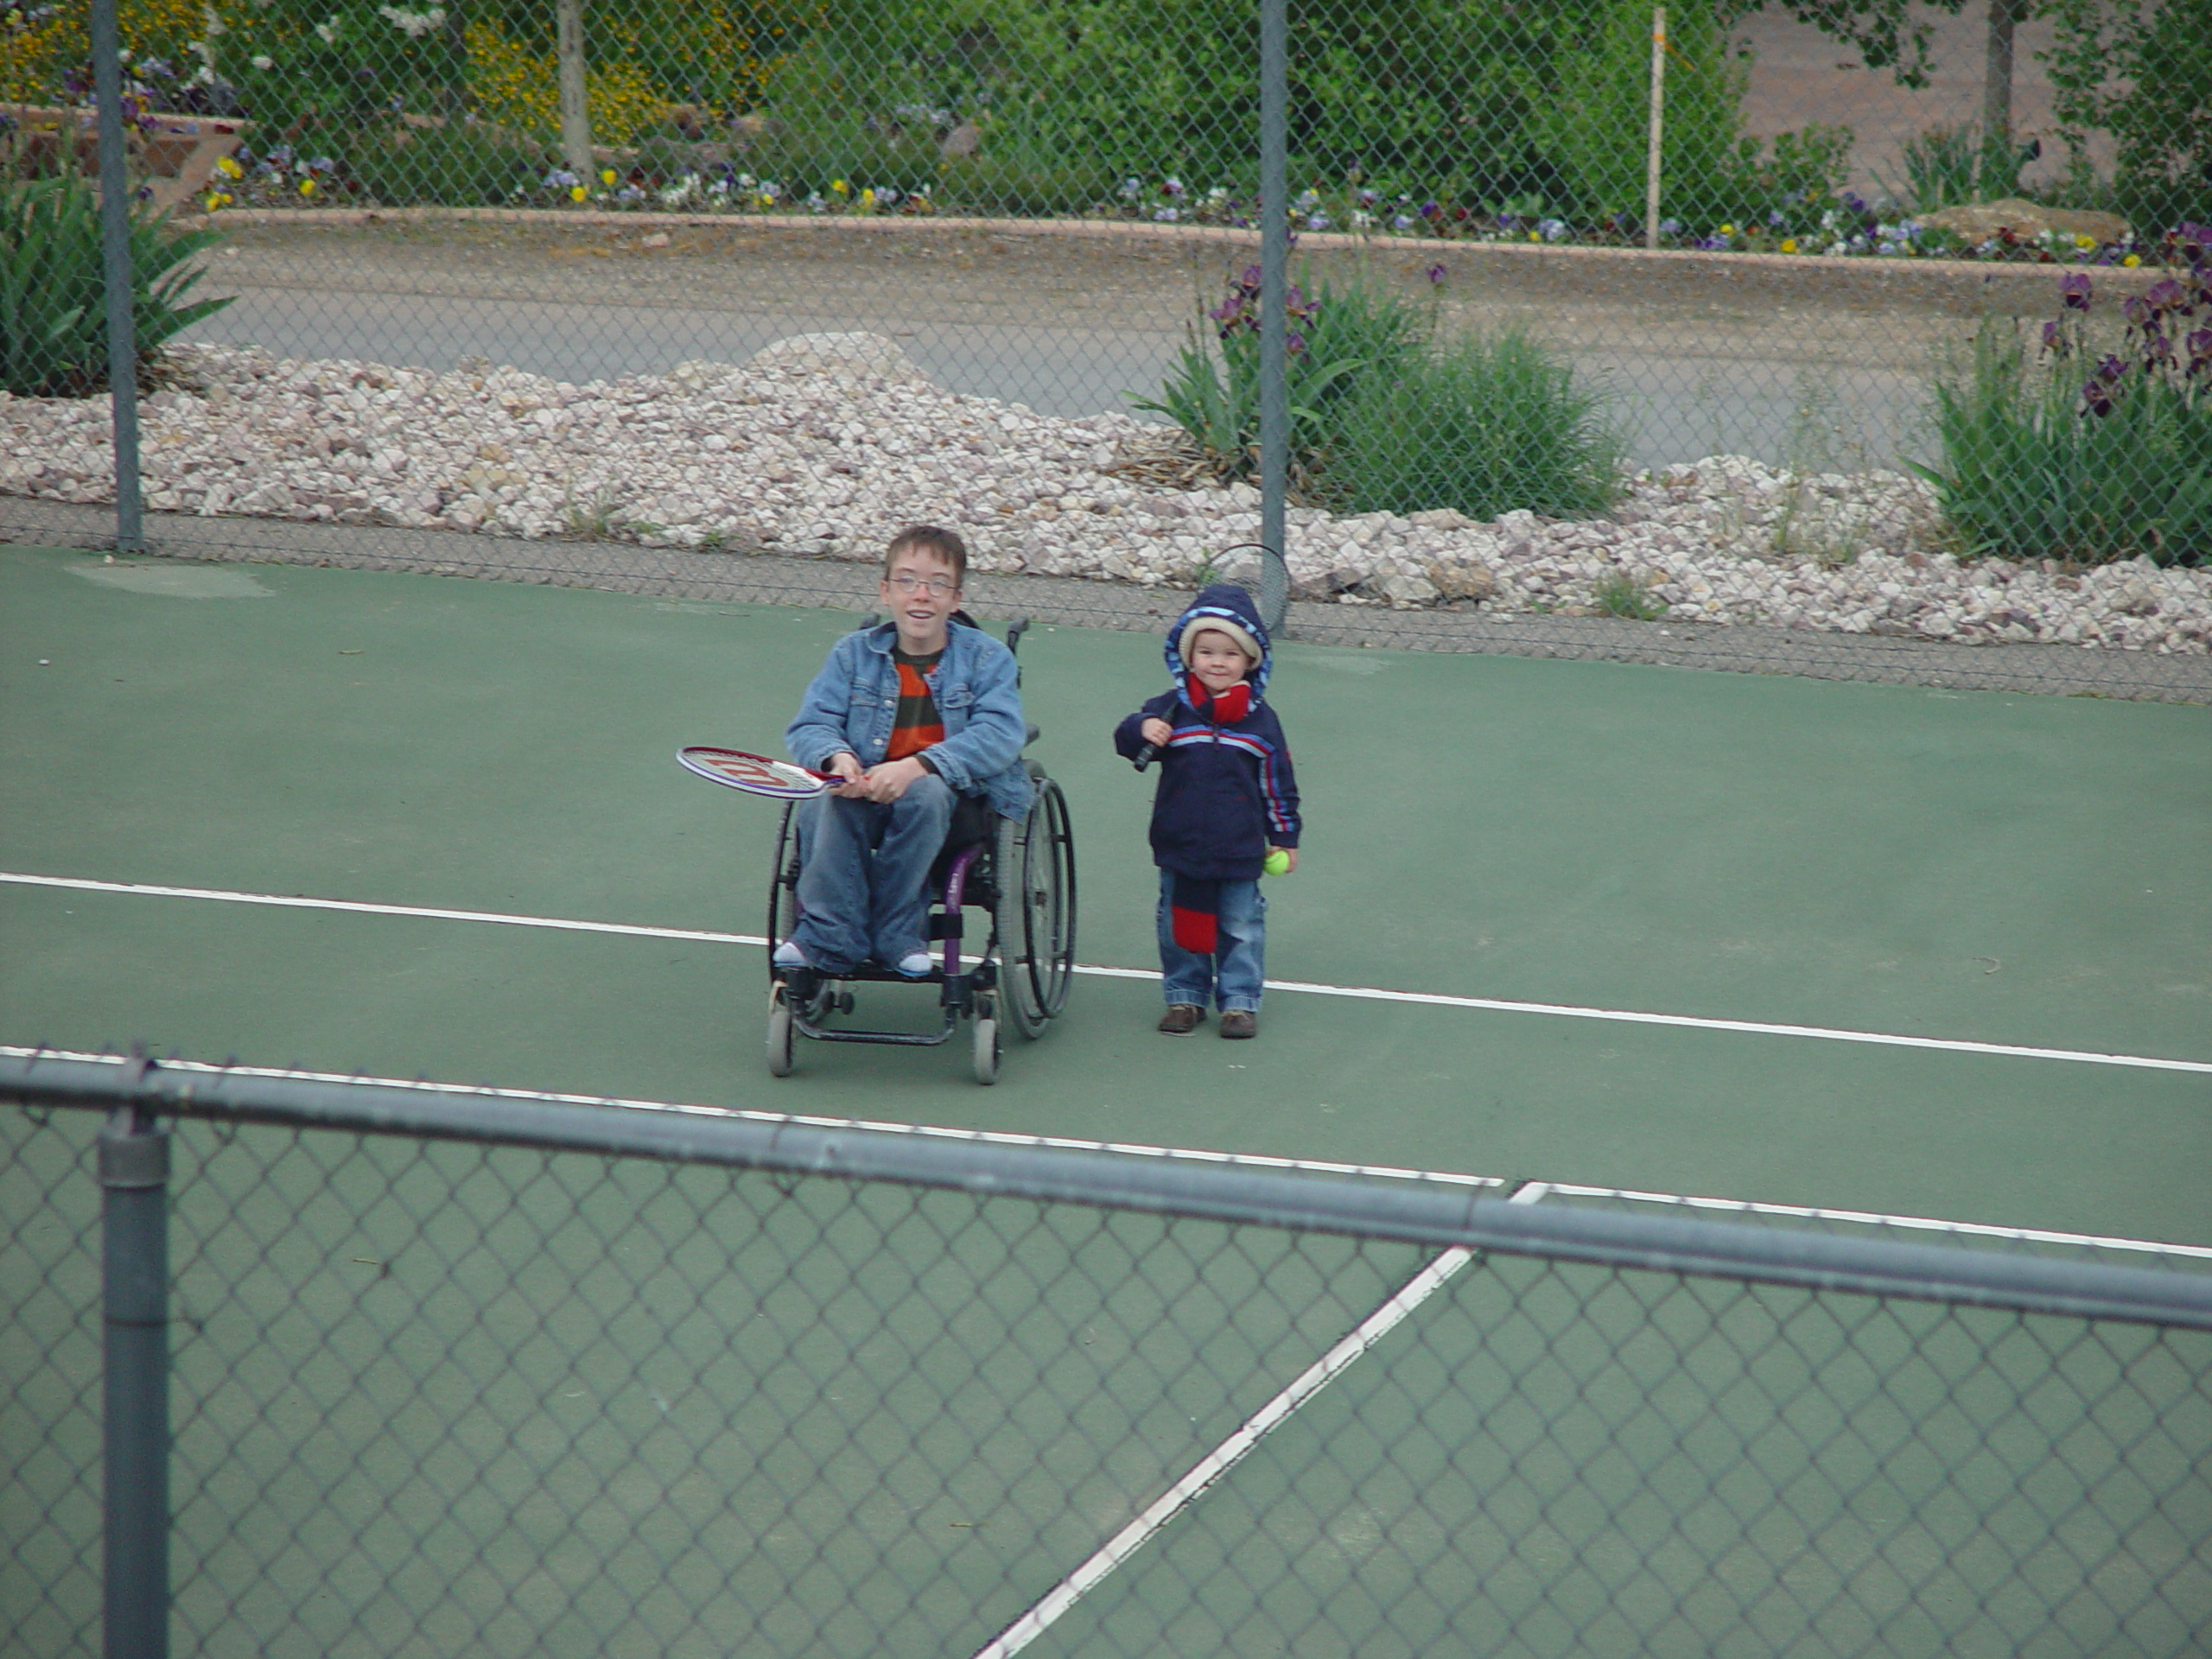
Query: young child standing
1226	799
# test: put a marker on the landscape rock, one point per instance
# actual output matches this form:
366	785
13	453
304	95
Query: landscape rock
2026	219
825	445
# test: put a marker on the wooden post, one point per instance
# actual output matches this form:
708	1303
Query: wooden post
576	108
1658	126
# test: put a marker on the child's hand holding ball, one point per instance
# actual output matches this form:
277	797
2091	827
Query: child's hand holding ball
1280	861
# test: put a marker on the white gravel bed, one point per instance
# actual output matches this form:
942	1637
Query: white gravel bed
823	445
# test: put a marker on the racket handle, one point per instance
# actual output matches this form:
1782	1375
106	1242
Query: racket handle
1144	756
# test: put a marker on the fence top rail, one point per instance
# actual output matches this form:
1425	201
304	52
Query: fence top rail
1465	1211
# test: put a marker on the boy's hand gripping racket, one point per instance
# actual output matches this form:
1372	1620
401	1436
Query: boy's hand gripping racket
756	775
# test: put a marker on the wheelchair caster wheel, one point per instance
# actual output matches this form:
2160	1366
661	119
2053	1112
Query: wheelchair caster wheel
843	1002
986	1045
779	1034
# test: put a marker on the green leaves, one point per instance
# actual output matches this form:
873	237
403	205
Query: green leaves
1485	425
2028	473
54	292
1382	419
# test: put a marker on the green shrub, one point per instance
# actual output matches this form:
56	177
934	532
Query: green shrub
1382	421
1598	127
457	165
1486	424
1945	166
2085	455
1338	337
54	289
1404	94
2142	70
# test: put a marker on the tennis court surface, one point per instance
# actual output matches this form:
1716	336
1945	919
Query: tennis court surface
1987	871
1561	926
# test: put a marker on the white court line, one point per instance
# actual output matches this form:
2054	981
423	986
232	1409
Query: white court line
1218	1462
1368	993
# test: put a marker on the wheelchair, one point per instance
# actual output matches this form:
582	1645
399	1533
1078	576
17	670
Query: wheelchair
1020	876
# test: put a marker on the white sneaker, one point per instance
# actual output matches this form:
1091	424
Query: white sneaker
915	964
788	955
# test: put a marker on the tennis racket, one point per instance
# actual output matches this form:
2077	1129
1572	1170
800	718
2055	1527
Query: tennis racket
756	775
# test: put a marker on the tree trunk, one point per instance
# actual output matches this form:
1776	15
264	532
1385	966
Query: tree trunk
1997	73
575	110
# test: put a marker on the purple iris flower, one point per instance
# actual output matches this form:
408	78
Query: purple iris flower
2074	290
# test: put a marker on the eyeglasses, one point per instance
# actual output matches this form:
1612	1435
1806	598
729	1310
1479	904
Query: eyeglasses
941	586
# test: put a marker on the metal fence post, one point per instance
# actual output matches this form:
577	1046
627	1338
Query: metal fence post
133	1173
115	243
1275	285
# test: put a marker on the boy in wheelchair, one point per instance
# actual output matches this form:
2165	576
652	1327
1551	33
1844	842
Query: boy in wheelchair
915	716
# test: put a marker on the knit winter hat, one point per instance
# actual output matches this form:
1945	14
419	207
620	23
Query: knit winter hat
1188	641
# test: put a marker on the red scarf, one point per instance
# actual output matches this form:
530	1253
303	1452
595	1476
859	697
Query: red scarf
1226	710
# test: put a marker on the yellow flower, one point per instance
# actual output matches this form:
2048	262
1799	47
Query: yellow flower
1536	236
577	193
228	168
1789	244
307	187
2085	242
606	177
2131	262
868	200
1727	230
838	187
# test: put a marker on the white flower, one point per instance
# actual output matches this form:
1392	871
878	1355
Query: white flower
213	20
261	60
413	24
328	31
205	75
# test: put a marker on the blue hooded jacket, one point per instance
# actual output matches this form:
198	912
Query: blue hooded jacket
1226	793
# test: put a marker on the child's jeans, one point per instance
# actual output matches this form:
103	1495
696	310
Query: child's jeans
861	868
1232	977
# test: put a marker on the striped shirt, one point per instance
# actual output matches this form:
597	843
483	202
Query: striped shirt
917	725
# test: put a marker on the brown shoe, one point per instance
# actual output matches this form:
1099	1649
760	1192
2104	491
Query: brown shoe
1181	1019
1239	1023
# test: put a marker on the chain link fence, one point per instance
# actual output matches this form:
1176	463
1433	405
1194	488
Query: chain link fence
1843	320
466	1370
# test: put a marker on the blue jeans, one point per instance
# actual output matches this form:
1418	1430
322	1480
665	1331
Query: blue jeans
862	869
1234	974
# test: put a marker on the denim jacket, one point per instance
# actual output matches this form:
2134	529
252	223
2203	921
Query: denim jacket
855	698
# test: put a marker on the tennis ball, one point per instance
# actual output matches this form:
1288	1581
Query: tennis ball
1277	863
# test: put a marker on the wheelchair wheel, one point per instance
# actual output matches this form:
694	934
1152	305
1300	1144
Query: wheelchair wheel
1035	920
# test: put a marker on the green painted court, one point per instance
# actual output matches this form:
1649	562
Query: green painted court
1977	868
